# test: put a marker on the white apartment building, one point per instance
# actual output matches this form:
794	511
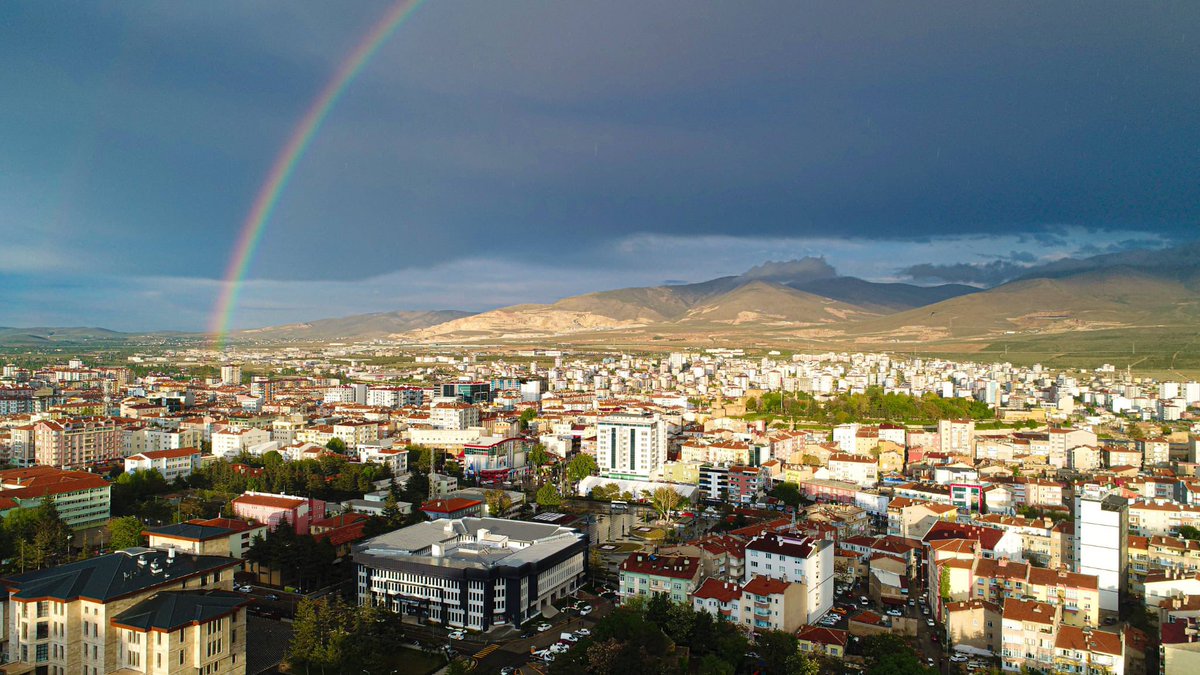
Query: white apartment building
862	470
957	437
799	559
1102	543
454	415
395	397
172	464
630	446
231	374
229	443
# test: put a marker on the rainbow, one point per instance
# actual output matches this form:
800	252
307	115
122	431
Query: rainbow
285	163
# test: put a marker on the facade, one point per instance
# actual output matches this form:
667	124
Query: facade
137	610
82	498
957	437
395	397
773	604
76	443
1101	544
454	415
172	464
797	559
494	459
630	446
1028	635
454	508
272	510
231	374
229	443
862	470
713	482
467	392
675	576
216	536
472	572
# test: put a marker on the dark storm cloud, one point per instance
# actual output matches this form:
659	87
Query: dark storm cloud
985	274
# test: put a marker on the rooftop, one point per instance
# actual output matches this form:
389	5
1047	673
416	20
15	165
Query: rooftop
112	576
172	610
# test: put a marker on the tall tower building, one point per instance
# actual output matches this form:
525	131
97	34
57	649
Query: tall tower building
631	446
231	374
1102	542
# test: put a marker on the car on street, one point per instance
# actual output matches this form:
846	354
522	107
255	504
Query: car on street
458	634
958	658
933	637
895	612
508	670
569	637
585	610
928	661
542	627
272	597
584	632
245	588
929	622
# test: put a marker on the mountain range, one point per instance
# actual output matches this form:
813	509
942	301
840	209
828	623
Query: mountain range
1099	301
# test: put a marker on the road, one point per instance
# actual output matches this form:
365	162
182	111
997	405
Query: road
516	652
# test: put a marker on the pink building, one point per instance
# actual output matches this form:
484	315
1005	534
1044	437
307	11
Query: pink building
271	510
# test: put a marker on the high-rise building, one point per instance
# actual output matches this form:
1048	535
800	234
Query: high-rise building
467	392
1101	543
957	437
231	373
630	446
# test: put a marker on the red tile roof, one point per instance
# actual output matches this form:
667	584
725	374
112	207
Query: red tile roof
715	589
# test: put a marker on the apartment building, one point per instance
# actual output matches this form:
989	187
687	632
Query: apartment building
773	604
862	470
648	574
746	484
495	459
1027	635
722	599
1039	545
1085	650
716	452
957	437
454	415
213	536
172	464
76	443
713	482
1102	524
1157	554
82	498
795	558
395	397
975	624
472	572
630	446
137	610
1149	517
230	442
912	519
273	510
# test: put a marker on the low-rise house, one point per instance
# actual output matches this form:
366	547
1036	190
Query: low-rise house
720	598
973	626
822	641
215	536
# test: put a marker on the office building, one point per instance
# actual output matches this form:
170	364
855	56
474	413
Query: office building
630	446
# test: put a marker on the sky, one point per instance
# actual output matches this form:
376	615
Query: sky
493	153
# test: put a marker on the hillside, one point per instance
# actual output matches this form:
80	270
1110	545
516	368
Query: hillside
1084	301
353	327
749	305
43	335
882	297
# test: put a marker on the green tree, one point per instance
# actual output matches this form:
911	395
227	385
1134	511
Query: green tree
1189	532
527	416
944	583
666	501
606	492
539	456
788	493
125	532
581	466
775	648
498	502
337	445
548	495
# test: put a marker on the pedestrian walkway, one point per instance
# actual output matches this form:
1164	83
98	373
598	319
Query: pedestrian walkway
482	653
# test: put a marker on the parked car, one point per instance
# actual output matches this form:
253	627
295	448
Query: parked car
958	658
569	637
584	632
542	627
587	609
895	612
272	597
930	623
458	634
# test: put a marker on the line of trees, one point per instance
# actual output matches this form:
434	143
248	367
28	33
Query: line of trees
872	405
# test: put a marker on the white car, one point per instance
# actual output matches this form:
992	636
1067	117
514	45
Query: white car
542	627
458	634
958	658
569	637
585	610
929	622
245	589
895	612
584	632
558	648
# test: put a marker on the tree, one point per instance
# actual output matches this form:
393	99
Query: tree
581	466
775	648
539	457
272	458
498	502
1189	532
125	532
548	495
606	492
337	445
788	493
665	501
527	416
944	583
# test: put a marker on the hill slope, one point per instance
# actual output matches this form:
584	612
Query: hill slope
351	327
